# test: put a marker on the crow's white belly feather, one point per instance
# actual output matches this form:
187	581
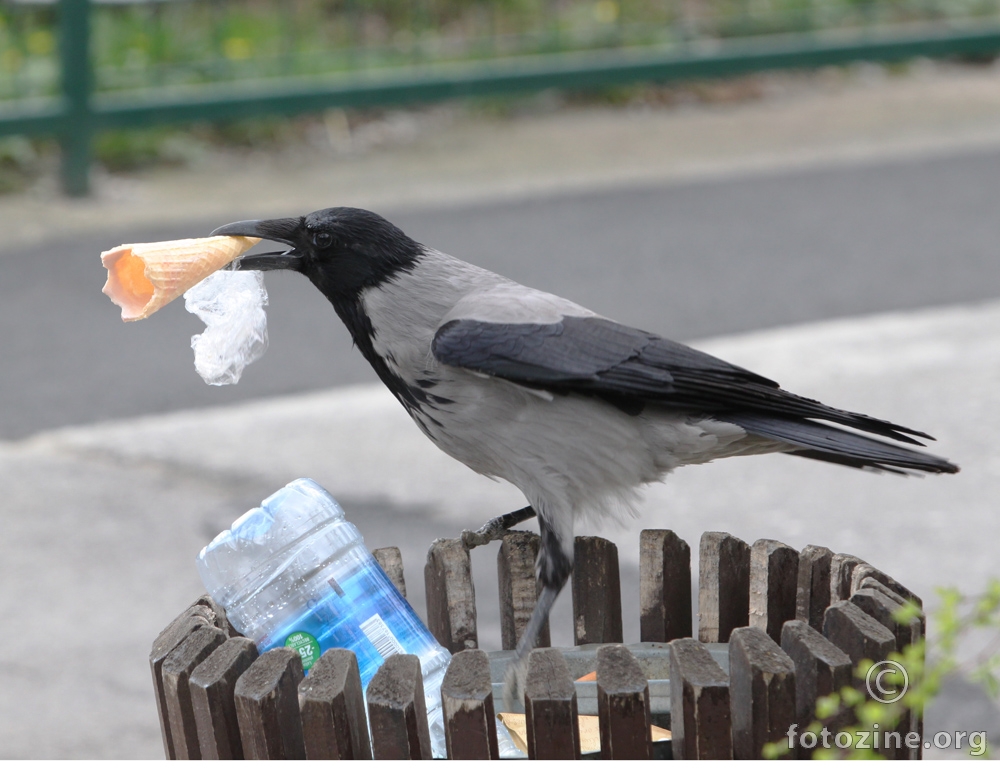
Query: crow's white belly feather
569	451
571	455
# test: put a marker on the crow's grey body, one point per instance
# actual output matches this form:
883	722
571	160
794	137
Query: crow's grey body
571	455
575	410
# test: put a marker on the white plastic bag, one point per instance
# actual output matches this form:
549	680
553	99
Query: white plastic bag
231	304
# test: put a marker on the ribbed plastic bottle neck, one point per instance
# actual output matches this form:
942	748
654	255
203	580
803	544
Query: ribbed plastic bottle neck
340	536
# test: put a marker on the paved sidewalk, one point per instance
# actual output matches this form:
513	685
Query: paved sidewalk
109	518
448	155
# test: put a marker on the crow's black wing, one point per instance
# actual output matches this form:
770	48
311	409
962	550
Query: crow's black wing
630	368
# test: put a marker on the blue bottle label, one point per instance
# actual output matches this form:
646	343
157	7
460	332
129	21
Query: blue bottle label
360	610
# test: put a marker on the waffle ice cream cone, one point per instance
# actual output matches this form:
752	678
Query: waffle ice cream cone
143	277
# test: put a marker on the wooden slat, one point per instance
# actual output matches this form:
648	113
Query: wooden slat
762	692
622	705
820	669
774	578
860	637
397	712
916	753
220	620
842	568
664	586
192	618
880	606
700	719
812	594
467	704
267	706
867	571
206	602
332	706
176	672
518	587
550	707
597	592
724	586
857	634
451	595
916	719
391	561
212	686
868	583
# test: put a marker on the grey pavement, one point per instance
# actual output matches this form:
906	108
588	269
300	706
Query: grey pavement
829	197
689	261
822	208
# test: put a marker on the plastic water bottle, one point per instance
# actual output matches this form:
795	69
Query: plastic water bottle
293	572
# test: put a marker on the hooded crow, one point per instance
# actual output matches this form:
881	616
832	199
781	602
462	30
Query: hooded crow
576	410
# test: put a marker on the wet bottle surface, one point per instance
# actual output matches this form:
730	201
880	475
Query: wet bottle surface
293	572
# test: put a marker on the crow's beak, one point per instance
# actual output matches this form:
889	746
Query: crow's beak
288	231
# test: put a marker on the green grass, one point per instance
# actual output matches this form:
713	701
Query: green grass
134	150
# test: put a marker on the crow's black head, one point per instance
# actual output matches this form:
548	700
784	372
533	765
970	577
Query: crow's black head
341	250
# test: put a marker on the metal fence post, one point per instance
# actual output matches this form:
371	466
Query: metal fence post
77	83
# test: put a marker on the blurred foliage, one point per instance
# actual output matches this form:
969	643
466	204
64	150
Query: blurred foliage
132	150
177	146
178	42
19	163
959	622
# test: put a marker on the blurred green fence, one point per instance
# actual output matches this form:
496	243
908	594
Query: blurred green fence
71	68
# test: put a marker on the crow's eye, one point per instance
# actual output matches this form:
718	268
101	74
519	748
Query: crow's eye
322	239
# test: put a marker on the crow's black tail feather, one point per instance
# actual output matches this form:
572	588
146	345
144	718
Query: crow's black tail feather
833	444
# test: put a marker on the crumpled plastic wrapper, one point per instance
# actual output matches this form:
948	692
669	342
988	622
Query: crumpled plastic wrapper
231	305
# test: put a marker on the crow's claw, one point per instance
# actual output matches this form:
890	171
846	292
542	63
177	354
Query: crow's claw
483	536
495	527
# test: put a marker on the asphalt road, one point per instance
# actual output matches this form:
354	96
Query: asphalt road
689	260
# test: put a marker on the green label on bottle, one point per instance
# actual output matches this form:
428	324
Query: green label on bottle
306	645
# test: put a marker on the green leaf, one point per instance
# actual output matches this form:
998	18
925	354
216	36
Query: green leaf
827	707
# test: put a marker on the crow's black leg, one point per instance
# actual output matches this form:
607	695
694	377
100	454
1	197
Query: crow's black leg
554	570
495	527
